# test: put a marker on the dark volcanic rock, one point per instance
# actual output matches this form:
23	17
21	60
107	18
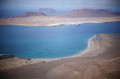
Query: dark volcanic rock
26	14
6	56
47	11
91	13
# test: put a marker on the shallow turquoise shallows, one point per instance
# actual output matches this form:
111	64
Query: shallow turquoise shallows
50	42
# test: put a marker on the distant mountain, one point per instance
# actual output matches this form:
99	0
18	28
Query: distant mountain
91	13
47	11
26	14
41	12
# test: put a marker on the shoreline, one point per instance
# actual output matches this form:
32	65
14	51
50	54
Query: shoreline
104	49
76	55
57	25
60	24
49	21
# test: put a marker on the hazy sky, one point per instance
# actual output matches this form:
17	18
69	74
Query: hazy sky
58	4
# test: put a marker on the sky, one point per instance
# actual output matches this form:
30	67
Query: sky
59	4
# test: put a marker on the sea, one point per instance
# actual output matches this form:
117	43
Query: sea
51	42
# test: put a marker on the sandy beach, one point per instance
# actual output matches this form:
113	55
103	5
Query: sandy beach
100	61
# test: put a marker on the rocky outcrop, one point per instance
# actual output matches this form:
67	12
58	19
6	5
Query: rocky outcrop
14	62
41	12
27	14
6	56
47	11
91	13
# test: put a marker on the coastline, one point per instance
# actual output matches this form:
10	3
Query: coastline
90	44
18	60
90	47
76	55
54	21
100	61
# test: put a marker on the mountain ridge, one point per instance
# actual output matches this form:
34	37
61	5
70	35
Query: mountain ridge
91	13
27	14
47	11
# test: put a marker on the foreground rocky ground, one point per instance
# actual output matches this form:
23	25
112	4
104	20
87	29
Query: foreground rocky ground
101	61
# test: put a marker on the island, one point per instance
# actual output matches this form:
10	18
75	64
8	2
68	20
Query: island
79	16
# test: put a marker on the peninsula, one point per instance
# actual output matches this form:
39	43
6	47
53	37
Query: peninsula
101	61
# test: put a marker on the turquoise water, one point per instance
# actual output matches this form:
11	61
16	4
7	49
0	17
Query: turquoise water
50	42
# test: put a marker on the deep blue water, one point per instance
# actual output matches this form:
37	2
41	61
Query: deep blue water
10	13
50	42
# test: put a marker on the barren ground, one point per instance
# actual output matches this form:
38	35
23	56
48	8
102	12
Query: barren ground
53	20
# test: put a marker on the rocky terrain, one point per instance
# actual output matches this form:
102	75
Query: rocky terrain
40	12
100	61
6	56
47	11
91	13
28	14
